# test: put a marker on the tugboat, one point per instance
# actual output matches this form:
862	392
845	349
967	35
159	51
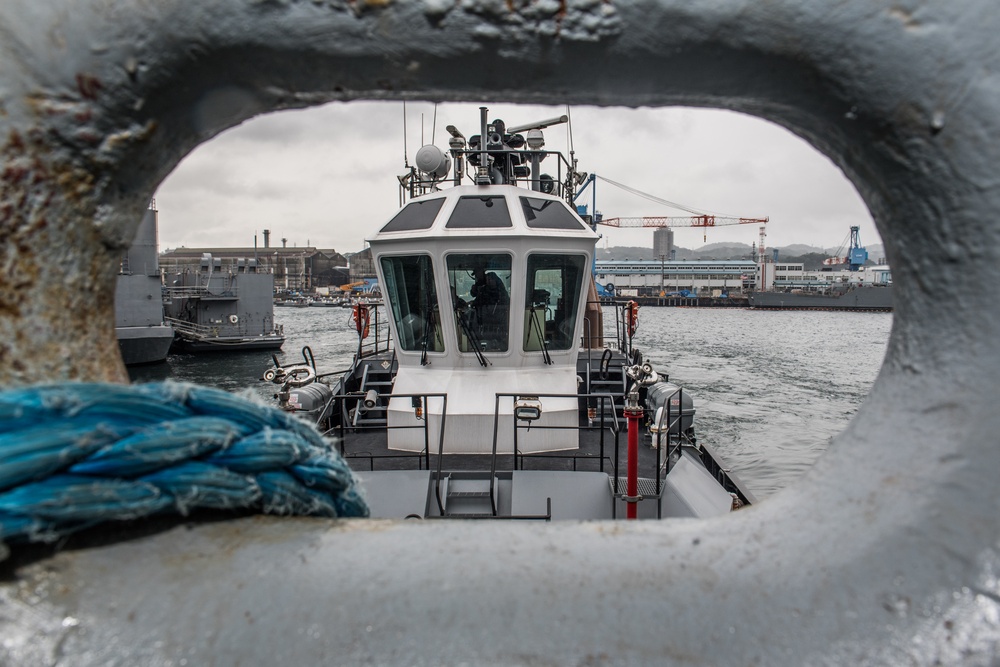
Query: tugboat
489	389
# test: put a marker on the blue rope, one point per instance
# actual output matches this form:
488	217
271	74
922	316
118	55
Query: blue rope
76	455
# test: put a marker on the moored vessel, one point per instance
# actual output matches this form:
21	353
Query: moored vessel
143	335
216	309
877	298
853	286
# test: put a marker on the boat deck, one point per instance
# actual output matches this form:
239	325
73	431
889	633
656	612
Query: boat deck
569	485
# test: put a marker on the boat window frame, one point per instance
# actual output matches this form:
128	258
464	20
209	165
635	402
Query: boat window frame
460	218
548	221
410	223
414	341
561	335
480	324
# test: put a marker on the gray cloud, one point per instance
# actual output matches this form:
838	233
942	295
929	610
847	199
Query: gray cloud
327	175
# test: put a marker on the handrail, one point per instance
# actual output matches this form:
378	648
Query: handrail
361	387
444	414
659	434
343	398
200	330
514	397
199	290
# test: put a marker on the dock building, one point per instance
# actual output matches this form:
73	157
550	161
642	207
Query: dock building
296	268
734	277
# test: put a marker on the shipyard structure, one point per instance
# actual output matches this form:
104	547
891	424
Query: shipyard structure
708	277
759	284
293	268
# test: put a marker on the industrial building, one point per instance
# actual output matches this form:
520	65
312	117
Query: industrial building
734	277
295	268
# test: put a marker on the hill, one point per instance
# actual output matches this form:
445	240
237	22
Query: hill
810	256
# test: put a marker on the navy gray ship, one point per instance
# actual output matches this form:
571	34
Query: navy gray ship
876	298
202	309
853	286
143	335
496	386
216	309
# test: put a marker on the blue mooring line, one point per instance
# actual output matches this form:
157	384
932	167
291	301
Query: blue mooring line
75	455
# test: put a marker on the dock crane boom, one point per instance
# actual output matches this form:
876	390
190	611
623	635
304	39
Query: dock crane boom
704	220
681	221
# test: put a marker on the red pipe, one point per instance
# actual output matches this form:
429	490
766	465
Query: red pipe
634	415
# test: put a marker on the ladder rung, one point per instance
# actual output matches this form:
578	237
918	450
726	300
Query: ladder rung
468	494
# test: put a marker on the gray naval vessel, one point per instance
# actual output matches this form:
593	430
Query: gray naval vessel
876	298
496	386
223	309
850	292
143	335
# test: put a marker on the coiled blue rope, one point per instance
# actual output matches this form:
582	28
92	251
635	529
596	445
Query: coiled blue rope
75	455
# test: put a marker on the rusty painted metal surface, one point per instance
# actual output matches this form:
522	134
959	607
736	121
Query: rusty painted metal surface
887	551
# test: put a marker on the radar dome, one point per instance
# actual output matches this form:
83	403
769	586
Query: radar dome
432	160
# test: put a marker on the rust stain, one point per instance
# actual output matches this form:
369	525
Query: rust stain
88	85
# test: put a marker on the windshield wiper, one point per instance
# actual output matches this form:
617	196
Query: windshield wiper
541	336
473	338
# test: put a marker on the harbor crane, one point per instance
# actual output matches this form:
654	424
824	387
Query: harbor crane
704	220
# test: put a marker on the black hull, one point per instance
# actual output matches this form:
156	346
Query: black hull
144	345
221	344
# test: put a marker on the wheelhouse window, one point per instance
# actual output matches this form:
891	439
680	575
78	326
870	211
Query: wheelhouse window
416	215
552	301
409	291
548	214
485	212
480	298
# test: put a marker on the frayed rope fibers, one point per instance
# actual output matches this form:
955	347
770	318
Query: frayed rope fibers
75	455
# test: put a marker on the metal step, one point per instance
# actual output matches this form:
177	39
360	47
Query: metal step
468	495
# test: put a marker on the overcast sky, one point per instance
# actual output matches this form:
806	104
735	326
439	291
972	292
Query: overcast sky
326	176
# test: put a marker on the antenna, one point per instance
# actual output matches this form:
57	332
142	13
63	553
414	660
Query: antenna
569	131
434	123
406	160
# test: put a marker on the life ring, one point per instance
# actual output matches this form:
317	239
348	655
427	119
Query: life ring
234	319
631	313
361	318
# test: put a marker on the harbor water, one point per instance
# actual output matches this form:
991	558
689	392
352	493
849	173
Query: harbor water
771	388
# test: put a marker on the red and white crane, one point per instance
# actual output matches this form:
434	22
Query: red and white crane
704	220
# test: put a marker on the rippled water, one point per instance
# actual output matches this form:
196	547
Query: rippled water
771	388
